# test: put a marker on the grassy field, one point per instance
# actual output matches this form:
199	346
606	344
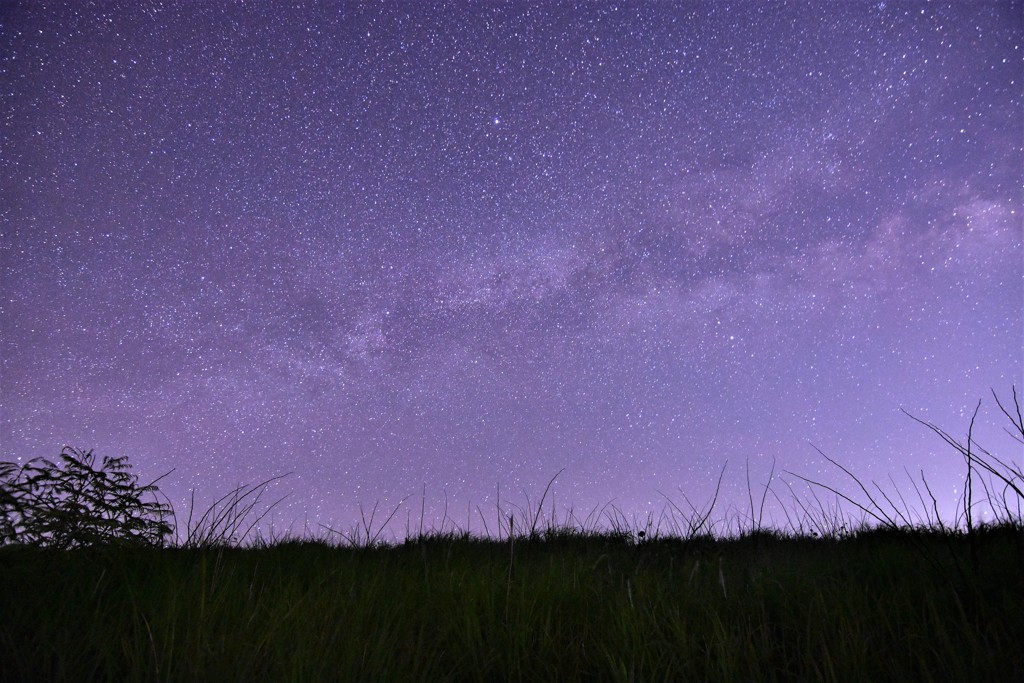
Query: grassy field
98	587
886	605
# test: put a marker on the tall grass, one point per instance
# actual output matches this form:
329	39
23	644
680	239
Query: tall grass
885	593
565	608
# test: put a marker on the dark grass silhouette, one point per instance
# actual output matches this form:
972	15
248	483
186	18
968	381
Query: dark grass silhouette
894	594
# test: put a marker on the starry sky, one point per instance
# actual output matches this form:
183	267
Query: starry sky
456	248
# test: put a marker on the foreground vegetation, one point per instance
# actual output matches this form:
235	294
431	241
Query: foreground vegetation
898	596
882	606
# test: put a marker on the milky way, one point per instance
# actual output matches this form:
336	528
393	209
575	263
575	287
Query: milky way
455	249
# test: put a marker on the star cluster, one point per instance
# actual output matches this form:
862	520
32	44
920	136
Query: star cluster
458	248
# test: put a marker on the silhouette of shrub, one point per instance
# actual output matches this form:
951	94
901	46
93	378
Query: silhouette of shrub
78	502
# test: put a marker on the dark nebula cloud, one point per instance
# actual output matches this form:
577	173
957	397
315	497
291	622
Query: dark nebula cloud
394	246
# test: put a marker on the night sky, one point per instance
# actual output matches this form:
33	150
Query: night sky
396	247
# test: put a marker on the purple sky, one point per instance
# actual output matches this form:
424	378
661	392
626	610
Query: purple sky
393	246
